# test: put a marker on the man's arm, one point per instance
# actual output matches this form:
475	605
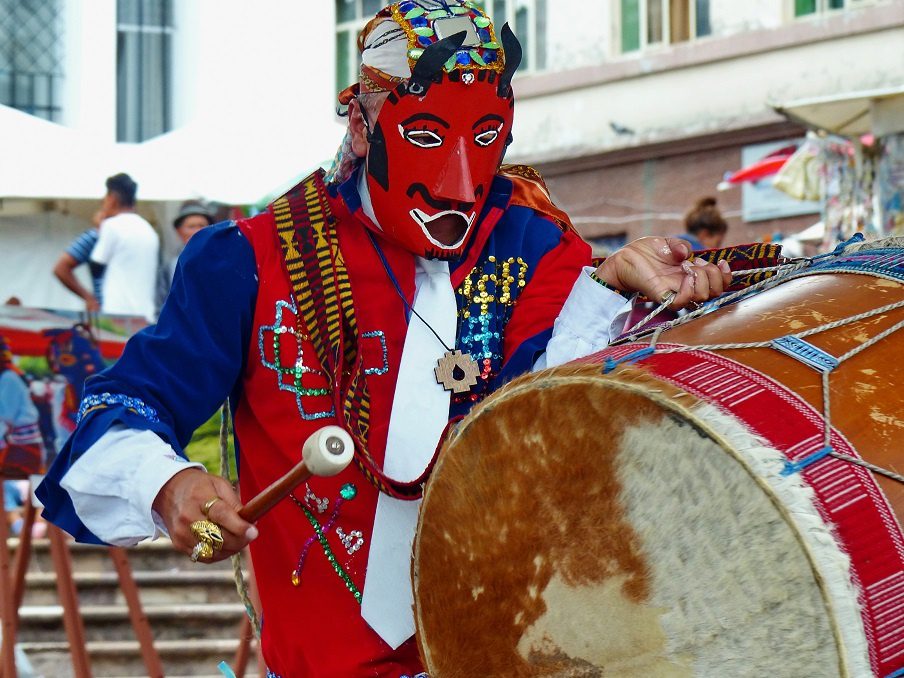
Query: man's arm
143	410
64	270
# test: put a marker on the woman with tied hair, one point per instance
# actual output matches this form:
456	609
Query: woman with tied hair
705	225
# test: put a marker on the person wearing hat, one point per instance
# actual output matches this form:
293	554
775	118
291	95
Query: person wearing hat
192	217
394	292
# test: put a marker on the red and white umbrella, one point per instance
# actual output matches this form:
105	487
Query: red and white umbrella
766	166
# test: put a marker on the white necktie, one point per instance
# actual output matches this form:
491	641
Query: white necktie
420	412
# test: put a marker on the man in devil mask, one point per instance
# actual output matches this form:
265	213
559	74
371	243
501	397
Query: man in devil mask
387	297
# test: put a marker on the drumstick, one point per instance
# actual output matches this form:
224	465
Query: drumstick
326	452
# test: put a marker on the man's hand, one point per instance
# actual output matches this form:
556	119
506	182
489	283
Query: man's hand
657	266
181	501
92	305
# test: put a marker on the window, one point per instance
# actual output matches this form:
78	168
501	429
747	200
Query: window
805	7
143	68
31	51
351	16
526	17
645	23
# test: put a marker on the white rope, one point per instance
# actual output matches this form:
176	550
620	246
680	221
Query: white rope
709	306
237	573
871	467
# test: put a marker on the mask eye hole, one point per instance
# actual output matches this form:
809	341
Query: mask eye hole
488	136
423	138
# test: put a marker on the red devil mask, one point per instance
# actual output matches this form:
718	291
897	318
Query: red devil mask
435	148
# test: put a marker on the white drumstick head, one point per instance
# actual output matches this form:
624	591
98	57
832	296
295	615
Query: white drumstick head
328	451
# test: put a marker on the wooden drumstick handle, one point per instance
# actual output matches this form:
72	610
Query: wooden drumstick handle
326	452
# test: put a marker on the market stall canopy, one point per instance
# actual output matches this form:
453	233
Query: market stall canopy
24	329
237	158
879	111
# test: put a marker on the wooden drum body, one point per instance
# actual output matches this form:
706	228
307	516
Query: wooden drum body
651	521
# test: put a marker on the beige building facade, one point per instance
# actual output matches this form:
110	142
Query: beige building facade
645	105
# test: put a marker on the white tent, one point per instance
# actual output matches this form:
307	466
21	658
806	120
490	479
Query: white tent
237	158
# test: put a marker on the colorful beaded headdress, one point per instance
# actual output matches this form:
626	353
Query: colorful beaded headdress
428	21
397	36
395	39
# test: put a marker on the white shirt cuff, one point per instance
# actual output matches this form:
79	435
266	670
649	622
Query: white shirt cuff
592	317
114	483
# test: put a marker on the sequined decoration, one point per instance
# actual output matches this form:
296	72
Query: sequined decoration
346	493
103	401
352	541
313	501
488	295
297	370
384	368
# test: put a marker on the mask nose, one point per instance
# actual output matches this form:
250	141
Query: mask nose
454	181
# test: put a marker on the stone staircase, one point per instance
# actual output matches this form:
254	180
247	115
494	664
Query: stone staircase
194	612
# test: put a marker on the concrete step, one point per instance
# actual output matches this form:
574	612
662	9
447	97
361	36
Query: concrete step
157	588
152	555
111	622
123	658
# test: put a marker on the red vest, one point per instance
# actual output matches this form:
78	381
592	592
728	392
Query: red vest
312	626
315	628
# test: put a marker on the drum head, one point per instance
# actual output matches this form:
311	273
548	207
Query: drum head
578	525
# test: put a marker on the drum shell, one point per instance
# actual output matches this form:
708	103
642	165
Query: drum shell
864	402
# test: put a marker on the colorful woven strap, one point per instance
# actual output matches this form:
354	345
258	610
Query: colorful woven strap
326	315
749	257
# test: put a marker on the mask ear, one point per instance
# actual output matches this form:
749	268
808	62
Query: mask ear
377	160
513	55
431	63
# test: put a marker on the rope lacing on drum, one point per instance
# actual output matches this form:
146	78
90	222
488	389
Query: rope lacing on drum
783	271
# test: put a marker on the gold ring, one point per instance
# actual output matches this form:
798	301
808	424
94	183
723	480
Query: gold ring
209	536
668	297
209	505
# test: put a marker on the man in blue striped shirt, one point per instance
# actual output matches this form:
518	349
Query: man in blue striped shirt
77	253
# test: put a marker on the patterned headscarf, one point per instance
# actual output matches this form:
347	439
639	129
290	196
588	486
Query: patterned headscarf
391	43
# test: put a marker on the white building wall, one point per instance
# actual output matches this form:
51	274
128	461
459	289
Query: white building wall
269	64
578	33
673	93
89	63
729	17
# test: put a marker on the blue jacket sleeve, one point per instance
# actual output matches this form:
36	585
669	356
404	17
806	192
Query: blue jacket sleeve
173	375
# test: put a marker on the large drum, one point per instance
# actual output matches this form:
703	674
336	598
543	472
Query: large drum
678	512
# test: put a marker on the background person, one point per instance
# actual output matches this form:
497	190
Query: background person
193	216
77	253
129	248
705	226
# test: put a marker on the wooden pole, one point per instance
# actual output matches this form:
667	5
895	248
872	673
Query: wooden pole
243	651
139	619
72	618
23	556
7	604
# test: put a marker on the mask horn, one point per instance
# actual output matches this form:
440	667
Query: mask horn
513	54
431	62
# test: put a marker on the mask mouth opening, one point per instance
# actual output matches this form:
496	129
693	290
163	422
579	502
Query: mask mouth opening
448	222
